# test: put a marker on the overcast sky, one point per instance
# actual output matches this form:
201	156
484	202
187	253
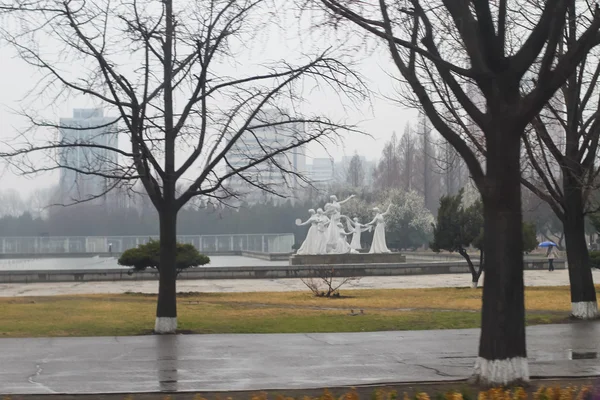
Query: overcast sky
379	117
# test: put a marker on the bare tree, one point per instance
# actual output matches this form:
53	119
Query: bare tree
562	169
355	176
165	72
387	172
40	199
407	155
11	203
326	282
539	212
448	166
426	156
446	49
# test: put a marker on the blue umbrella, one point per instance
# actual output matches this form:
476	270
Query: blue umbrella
548	244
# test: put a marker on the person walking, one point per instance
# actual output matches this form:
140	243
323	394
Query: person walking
551	256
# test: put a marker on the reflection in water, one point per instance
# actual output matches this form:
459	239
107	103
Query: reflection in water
166	346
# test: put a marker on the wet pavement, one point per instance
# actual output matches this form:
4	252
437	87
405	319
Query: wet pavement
278	361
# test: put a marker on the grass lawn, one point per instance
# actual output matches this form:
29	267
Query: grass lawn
286	312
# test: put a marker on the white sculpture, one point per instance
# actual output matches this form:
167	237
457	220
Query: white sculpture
357	229
327	234
334	211
379	245
311	243
342	246
323	223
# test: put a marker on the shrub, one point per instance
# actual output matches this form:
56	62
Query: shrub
530	242
148	256
595	259
323	282
409	223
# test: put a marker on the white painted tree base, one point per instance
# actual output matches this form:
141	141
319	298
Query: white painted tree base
584	309
501	372
474	285
165	325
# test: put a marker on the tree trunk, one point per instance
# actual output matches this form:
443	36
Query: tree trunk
583	292
481	261
474	274
479	270
166	309
560	241
502	351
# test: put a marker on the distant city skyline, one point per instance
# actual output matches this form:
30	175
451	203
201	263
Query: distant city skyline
377	116
254	145
58	178
321	171
86	126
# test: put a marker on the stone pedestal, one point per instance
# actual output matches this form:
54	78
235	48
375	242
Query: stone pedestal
350	258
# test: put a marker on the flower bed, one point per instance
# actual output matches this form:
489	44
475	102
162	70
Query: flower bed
586	392
563	390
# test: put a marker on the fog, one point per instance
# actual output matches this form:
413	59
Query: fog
289	38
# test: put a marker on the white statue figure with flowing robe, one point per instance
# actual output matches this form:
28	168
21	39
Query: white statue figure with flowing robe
334	211
357	229
379	245
342	246
322	225
311	243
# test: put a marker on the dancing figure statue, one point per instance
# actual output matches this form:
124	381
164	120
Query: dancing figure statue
334	211
311	243
357	229
322	225
379	245
342	246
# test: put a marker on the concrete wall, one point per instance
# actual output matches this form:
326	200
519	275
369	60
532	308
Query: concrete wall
266	256
252	254
347	259
276	242
445	256
262	272
14	256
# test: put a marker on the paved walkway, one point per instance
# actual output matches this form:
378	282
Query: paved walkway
279	361
532	278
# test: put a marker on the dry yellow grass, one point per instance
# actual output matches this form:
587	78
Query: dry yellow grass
127	314
536	298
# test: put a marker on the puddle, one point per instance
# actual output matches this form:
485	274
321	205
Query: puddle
583	355
567	354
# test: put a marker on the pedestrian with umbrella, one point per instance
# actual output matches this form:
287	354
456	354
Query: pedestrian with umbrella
551	253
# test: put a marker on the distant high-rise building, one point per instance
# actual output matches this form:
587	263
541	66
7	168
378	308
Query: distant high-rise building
322	171
278	174
77	178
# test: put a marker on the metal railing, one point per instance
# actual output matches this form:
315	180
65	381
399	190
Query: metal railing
266	243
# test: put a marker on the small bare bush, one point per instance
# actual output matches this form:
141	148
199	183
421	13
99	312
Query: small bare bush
323	282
